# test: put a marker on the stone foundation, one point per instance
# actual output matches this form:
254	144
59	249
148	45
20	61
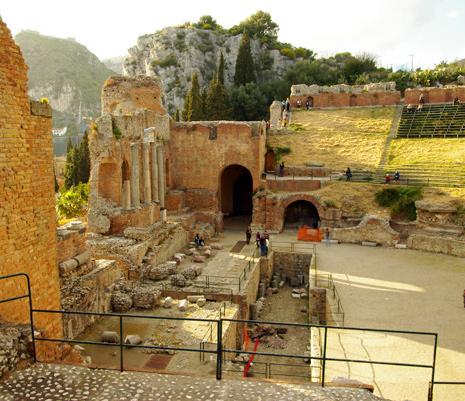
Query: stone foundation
15	347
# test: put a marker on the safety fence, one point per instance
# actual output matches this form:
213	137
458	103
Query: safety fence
224	354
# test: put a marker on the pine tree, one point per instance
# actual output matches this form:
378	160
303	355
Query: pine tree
221	69
245	70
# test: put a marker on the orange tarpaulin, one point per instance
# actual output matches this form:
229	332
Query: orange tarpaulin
309	234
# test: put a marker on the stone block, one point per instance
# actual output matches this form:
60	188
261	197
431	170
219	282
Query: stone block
199	259
201	302
369	243
110	337
167	302
121	302
133	339
183	304
194	298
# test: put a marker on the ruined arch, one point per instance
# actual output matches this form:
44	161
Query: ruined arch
236	191
301	210
109	183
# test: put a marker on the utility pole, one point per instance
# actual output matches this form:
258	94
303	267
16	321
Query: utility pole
411	62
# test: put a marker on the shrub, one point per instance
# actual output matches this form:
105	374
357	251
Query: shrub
401	200
44	100
280	151
73	202
288	52
116	131
329	203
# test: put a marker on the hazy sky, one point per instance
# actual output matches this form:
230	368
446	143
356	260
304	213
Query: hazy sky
431	30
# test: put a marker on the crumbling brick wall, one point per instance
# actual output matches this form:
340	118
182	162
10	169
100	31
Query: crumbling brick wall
27	213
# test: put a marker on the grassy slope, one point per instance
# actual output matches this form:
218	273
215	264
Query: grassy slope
410	151
337	138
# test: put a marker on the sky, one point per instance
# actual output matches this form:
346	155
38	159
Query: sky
392	30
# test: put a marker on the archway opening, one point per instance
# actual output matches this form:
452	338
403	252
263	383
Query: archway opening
353	100
310	102
301	213
236	194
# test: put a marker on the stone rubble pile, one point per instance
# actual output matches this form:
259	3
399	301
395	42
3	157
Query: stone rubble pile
15	346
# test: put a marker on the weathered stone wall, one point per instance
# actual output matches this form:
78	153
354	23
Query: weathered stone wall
371	228
267	268
290	185
128	156
438	216
379	94
292	267
199	152
27	213
438	244
15	347
435	95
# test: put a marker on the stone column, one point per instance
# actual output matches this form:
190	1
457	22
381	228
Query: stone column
146	173
275	114
153	155
161	176
126	195
135	195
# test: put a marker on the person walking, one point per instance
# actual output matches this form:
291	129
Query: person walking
248	235
257	239
327	237
348	174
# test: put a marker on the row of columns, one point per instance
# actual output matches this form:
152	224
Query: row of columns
153	175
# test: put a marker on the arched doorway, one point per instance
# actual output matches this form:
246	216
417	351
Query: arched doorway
270	161
301	213
236	193
353	100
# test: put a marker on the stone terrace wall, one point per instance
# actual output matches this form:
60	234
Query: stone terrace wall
200	151
379	94
27	212
435	95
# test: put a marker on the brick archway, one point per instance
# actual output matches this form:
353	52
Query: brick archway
236	186
296	198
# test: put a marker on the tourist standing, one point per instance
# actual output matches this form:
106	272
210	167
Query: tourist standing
281	169
257	239
248	235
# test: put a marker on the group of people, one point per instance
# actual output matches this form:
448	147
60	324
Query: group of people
421	102
308	105
395	177
262	240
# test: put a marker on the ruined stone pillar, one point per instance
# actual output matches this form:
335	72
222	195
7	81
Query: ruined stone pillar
153	154
161	176
126	195
135	195
146	173
275	114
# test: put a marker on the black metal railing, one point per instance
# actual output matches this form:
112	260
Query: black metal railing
221	351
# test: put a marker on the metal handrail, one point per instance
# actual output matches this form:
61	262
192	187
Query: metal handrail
221	350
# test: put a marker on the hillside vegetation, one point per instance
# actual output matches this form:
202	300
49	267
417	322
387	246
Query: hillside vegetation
65	72
337	138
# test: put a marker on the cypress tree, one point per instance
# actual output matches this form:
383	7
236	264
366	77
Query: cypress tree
193	102
196	104
204	106
177	117
217	101
245	71
84	160
70	167
221	69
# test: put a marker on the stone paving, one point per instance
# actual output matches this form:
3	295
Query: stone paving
66	383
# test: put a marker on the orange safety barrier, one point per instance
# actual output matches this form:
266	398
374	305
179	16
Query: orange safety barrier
247	367
309	234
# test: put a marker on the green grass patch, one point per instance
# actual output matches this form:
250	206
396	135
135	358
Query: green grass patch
401	201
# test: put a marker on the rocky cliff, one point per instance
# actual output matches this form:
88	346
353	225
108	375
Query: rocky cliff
66	73
174	53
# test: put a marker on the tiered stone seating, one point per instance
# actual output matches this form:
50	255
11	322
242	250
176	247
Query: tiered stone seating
435	120
434	174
